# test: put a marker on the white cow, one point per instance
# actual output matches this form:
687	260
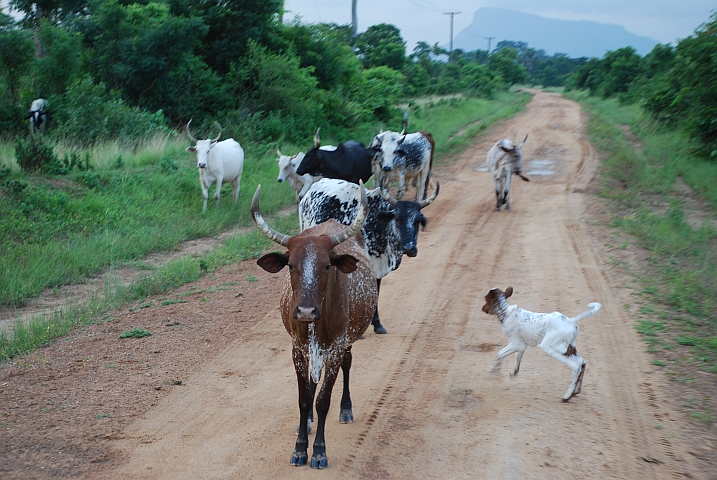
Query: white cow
38	116
287	171
503	159
220	162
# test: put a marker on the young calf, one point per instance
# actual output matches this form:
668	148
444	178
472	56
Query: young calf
553	332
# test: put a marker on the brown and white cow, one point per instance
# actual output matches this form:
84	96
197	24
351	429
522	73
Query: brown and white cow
327	303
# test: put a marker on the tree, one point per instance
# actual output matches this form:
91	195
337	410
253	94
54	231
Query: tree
15	54
505	63
62	62
382	45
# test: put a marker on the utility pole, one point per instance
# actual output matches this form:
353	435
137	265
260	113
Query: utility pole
452	14
354	19
489	39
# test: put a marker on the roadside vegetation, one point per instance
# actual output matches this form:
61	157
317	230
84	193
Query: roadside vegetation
651	179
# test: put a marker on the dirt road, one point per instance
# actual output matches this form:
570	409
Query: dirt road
425	405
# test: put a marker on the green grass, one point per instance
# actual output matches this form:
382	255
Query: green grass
679	283
63	229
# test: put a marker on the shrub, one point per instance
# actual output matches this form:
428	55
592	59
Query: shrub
33	155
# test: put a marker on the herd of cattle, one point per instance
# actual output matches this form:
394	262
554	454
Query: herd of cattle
364	234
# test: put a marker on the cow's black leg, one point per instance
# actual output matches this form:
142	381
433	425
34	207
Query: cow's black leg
498	202
323	402
311	409
376	322
506	202
346	415
300	455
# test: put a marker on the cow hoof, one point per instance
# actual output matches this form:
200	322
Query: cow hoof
299	458
379	329
346	416
319	460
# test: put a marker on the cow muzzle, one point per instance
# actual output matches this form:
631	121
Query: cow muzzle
306	314
410	249
202	165
386	168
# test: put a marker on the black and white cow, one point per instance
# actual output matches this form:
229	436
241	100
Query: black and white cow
38	116
390	231
350	161
404	157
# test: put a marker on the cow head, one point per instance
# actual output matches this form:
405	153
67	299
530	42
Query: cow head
495	300
386	149
310	259
202	147
408	218
515	152
287	164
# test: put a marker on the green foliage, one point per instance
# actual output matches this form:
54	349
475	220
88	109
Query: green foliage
15	55
62	60
505	63
34	154
380	91
87	113
136	332
381	45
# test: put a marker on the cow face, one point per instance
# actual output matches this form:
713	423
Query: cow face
312	163
202	149
310	260
287	165
409	218
515	152
388	150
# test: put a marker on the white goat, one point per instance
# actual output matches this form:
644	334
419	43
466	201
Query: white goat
503	160
220	162
553	332
287	171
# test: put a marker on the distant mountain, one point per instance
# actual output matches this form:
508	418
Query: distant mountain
579	38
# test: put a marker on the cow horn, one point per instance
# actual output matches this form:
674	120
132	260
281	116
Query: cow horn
358	222
278	152
220	132
402	138
317	139
526	137
386	196
429	200
191	137
261	224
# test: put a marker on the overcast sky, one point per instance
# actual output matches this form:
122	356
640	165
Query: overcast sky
424	20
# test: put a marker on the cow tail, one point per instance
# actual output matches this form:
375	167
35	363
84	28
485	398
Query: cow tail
430	165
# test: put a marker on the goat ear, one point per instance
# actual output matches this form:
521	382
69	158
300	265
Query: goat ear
273	262
508	292
345	263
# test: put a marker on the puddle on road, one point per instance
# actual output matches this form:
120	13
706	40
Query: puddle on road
547	167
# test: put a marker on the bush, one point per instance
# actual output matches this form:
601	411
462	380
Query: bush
33	155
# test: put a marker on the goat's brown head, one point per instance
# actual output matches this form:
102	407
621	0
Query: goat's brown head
310	257
493	297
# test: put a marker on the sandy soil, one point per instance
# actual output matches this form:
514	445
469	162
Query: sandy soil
212	393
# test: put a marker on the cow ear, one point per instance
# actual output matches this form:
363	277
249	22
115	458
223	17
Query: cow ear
386	216
345	263
273	262
506	150
508	292
192	149
424	222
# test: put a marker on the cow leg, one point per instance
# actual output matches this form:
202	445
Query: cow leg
346	415
505	351
323	402
376	322
219	190
507	190
498	201
518	358
235	190
300	455
576	364
311	410
401	185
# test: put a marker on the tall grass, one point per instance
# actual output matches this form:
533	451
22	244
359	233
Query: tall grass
681	274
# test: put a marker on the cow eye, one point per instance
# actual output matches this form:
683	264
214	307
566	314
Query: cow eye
327	268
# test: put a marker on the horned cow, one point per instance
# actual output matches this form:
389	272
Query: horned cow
327	302
350	161
504	159
220	162
38	116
